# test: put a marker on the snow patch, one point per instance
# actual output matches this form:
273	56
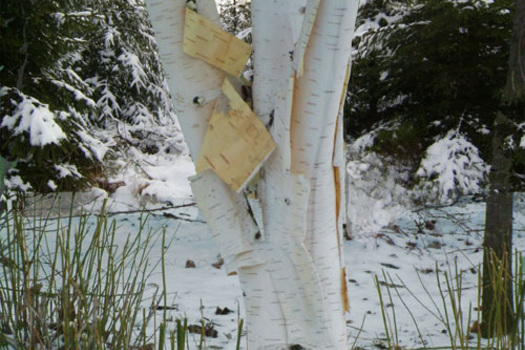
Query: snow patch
169	181
151	180
96	147
52	185
15	182
484	130
376	197
362	143
65	170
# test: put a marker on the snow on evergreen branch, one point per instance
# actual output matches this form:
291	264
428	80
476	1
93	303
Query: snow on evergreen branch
65	170
34	118
452	166
79	95
132	61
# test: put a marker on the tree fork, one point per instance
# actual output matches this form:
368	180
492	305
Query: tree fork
290	265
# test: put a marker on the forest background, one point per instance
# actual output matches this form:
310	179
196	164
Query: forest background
82	88
83	99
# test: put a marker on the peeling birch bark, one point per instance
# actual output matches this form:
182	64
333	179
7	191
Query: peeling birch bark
236	142
288	308
195	87
310	12
207	41
290	265
225	212
275	40
189	79
317	102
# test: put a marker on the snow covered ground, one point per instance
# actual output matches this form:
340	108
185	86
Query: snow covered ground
404	257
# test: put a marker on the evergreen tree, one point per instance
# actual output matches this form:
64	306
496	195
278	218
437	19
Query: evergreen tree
236	19
84	74
436	77
42	100
425	68
236	16
122	66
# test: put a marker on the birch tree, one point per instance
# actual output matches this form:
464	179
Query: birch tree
269	180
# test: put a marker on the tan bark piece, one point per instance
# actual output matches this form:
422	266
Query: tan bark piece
236	142
344	290
205	40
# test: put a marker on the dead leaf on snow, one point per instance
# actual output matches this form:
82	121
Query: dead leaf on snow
219	263
224	311
209	330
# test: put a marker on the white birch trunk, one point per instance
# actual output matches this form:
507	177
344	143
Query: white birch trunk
290	266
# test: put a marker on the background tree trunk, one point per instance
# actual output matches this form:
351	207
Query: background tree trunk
497	298
497	295
515	86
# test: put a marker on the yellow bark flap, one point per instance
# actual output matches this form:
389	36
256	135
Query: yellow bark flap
344	291
236	142
203	39
337	180
345	86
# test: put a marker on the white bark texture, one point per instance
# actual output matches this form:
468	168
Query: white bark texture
290	265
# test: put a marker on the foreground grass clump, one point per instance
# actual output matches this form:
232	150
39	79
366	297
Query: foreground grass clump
69	284
461	320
